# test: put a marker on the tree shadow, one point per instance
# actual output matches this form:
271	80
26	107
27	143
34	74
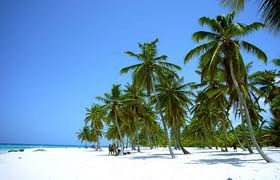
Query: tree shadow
150	157
232	161
273	150
230	154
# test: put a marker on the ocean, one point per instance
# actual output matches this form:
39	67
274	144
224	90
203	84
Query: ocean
4	148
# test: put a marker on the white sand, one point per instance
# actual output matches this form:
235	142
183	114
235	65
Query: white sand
76	164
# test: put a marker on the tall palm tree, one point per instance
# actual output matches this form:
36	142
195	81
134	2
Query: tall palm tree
174	98
223	51
94	116
150	69
117	111
269	9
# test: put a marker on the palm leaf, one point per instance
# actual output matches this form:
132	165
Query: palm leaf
253	49
234	4
198	50
170	65
211	23
202	35
271	14
130	68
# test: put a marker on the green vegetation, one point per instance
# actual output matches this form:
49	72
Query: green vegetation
269	9
160	109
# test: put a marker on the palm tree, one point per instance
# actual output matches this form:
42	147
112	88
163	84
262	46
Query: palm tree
267	84
84	134
150	69
269	9
117	111
174	99
223	51
94	116
138	107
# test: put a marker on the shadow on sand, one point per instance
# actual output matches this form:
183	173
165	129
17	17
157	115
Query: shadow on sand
230	154
232	161
155	156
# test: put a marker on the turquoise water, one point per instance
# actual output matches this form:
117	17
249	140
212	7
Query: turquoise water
4	148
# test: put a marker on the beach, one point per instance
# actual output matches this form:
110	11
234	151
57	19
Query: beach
78	164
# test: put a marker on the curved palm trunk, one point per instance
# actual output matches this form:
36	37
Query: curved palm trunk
235	135
180	144
120	135
234	132
244	133
163	124
248	119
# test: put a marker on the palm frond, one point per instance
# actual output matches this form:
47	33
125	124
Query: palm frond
202	35
130	68
171	65
132	54
271	14
233	4
198	50
160	58
254	49
211	23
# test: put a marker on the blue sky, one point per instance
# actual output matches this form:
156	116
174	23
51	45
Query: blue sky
57	56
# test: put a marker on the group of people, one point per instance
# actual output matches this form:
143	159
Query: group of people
112	149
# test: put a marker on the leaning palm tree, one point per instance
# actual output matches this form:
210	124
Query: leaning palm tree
223	51
94	116
150	69
269	9
117	111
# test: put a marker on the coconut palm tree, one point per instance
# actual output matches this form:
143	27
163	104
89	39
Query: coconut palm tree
117	111
150	69
94	116
269	9
84	134
223	51
138	107
266	83
174	98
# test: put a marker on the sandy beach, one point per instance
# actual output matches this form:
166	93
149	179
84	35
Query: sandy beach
76	164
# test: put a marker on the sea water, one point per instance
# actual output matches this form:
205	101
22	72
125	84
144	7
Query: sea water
4	148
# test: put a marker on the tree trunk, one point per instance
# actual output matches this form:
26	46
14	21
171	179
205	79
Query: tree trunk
244	133
96	148
234	132
120	135
138	141
175	136
180	144
248	119
225	136
149	138
127	140
163	124
235	135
